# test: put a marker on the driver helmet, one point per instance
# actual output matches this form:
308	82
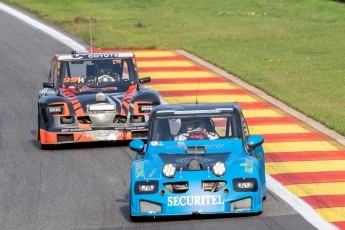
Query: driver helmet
191	124
104	68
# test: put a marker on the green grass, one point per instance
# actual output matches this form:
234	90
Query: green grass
291	49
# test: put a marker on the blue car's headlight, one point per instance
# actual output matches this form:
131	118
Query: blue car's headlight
169	170
146	187
245	184
219	168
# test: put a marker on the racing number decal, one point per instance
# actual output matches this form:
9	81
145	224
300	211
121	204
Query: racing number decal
73	80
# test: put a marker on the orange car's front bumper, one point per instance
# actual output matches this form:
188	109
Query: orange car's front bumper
90	136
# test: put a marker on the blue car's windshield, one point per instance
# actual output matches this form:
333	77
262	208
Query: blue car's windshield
195	128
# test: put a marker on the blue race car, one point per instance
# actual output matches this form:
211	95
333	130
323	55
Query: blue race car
198	159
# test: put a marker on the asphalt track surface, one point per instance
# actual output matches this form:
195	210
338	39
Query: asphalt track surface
77	186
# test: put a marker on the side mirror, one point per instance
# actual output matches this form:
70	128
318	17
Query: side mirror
254	141
144	80
137	146
48	85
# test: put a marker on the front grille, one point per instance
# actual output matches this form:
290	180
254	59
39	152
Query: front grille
84	120
139	135
196	149
137	119
120	119
64	138
67	120
212	186
177	187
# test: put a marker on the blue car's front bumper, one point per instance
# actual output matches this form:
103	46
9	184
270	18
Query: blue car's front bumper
195	201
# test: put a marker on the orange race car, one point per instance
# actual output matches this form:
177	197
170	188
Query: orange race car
94	97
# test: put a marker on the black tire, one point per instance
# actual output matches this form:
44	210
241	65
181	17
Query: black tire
47	147
38	137
43	146
136	218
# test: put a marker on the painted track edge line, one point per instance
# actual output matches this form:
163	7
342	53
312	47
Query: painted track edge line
44	28
305	119
298	204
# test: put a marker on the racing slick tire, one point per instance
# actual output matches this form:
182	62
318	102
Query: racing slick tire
47	147
136	218
38	138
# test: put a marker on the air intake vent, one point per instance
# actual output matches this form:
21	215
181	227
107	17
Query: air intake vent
64	138
212	186
177	187
84	120
196	149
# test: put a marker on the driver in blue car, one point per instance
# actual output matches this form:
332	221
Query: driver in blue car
195	129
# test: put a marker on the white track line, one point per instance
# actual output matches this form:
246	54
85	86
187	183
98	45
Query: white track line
44	28
300	206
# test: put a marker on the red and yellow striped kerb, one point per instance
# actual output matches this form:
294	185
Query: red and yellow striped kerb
307	163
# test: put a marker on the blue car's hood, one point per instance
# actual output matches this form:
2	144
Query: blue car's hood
205	152
195	146
182	161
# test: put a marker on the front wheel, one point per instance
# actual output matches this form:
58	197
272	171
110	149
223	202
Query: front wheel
136	218
47	147
38	136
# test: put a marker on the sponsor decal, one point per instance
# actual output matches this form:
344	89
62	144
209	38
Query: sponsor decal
195	200
181	145
139	170
103	55
76	130
107	135
198	111
219	146
129	128
154	143
157	143
77	56
187	160
248	165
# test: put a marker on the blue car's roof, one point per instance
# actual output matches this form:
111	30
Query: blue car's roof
181	109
